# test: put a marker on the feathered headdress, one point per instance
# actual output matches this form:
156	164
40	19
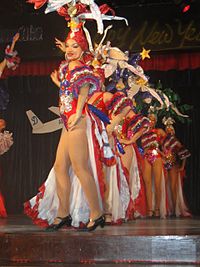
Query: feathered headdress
76	33
82	9
172	107
168	122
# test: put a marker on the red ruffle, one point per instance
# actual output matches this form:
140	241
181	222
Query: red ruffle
140	204
32	212
98	162
3	212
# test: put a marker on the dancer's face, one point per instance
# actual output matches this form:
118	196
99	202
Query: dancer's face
73	50
170	130
153	120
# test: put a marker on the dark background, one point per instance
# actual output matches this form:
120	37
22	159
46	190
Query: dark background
26	165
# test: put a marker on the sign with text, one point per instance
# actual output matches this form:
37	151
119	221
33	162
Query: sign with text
153	28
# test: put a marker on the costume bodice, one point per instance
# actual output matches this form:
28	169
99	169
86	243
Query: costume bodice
171	145
117	103
71	82
98	102
151	139
134	124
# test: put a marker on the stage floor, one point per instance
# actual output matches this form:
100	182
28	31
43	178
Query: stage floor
146	227
173	241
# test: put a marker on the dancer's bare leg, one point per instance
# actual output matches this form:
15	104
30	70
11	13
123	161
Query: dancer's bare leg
61	167
78	151
157	172
106	204
106	193
147	175
127	157
173	176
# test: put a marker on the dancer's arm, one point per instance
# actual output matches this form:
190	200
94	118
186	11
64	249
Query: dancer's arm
116	120
133	139
2	66
54	78
4	62
182	167
15	39
82	98
60	45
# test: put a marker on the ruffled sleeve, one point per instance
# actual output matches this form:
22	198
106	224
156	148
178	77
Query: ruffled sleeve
6	142
183	153
12	58
170	143
117	103
82	76
139	122
62	70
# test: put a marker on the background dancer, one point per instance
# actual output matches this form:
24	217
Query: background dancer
11	60
6	141
175	156
153	169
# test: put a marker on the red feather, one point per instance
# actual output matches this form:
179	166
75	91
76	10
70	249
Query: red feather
37	3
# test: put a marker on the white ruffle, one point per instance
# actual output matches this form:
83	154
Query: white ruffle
79	209
6	141
118	201
163	201
134	183
181	208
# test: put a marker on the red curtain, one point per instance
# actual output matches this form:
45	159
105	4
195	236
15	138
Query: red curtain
179	61
166	62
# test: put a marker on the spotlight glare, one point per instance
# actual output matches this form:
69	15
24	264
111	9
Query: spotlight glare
184	5
185	8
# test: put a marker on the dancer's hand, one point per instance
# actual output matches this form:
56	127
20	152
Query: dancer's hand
181	168
14	40
54	78
124	141
74	122
110	128
16	37
60	45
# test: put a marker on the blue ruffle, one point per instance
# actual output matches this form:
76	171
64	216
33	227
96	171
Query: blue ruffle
102	116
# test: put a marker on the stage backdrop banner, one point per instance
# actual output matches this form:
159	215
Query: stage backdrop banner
159	28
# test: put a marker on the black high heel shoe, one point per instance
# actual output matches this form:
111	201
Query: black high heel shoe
63	221
98	222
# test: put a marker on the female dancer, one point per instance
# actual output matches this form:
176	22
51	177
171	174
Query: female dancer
175	155
117	195
11	59
151	143
131	129
77	83
6	139
6	142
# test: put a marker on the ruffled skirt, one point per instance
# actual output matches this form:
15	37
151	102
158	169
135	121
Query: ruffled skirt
43	207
